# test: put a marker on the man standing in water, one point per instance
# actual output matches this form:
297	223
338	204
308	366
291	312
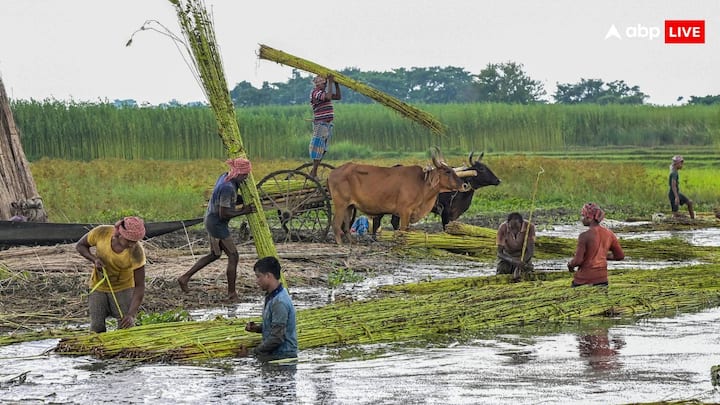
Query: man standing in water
321	98
515	237
595	247
278	327
676	197
221	209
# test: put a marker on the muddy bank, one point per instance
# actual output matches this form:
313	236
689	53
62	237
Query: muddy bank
47	285
42	286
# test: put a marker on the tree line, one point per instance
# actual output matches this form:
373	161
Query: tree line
496	83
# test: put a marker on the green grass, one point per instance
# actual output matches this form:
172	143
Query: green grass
102	190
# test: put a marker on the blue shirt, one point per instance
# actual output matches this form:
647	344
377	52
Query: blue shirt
224	195
279	309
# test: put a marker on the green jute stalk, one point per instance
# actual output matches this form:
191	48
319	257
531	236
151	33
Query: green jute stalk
199	32
443	309
406	110
478	241
459	228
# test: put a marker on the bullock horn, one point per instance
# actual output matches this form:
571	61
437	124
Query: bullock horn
466	173
459	169
437	157
470	158
434	152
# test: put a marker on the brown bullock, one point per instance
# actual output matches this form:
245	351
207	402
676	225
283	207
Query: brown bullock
406	191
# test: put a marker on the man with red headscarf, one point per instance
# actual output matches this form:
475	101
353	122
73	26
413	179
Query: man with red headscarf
595	247
118	279
221	209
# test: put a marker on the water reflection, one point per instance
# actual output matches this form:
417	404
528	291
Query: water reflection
650	360
279	384
600	351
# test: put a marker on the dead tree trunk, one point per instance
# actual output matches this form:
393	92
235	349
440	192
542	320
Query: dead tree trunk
19	198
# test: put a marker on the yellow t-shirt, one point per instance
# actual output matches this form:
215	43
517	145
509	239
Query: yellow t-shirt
120	267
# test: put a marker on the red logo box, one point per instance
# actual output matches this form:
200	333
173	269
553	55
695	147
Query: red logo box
684	31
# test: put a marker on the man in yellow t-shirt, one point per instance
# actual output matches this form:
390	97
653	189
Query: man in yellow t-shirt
118	279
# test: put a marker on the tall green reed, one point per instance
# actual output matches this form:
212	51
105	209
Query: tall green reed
85	131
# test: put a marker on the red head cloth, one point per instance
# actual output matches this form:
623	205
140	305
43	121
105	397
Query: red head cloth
131	228
319	80
238	167
593	211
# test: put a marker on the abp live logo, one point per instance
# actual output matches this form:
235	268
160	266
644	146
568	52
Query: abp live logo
684	31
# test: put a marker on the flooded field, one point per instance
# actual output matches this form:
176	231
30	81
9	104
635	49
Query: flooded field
662	359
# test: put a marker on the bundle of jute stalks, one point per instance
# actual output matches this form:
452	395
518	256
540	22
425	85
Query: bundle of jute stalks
479	241
199	32
445	310
476	246
406	110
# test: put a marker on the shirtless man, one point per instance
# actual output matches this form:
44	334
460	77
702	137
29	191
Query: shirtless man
513	236
595	247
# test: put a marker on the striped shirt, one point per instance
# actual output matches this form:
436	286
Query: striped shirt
322	109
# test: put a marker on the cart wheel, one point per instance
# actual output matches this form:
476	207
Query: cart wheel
323	170
297	207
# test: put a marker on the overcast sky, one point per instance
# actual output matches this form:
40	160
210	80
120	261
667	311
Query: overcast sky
75	49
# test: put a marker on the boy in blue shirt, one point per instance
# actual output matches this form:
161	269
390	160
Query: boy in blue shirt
278	327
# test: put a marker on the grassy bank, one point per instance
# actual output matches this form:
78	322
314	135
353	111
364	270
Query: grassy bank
102	190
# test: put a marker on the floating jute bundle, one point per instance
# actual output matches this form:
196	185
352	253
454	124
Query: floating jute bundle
448	309
480	242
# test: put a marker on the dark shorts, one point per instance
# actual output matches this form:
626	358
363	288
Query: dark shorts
683	201
574	284
217	228
219	236
102	305
504	267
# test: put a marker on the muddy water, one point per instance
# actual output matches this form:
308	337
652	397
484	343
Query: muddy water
653	360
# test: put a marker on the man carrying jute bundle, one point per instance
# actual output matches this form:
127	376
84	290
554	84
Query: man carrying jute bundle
221	209
321	97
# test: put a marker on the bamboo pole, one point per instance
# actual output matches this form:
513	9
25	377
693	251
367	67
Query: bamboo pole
421	117
199	32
